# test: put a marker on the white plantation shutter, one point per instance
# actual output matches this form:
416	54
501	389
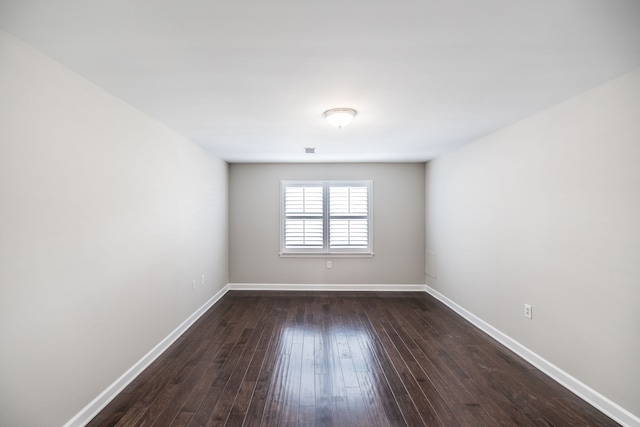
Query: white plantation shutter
348	217
304	223
326	217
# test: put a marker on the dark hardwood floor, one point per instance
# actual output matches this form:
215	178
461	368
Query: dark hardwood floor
341	359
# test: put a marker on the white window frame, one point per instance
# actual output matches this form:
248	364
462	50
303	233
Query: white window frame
326	251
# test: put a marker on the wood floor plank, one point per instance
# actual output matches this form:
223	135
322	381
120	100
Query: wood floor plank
409	387
257	406
248	387
459	381
232	387
341	359
220	337
410	354
452	384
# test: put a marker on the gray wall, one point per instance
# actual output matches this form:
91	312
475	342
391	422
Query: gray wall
106	217
398	226
547	212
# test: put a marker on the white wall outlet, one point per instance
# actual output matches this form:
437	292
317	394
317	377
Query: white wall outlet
193	285
528	311
329	264
202	282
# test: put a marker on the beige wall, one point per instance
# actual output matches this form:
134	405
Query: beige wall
398	226
106	217
547	212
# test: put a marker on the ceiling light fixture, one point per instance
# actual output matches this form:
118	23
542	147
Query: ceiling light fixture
339	117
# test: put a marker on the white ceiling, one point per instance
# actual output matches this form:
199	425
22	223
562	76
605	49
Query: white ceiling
249	79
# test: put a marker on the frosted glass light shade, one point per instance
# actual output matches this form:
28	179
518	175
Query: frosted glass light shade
339	117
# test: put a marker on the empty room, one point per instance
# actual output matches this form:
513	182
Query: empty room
413	213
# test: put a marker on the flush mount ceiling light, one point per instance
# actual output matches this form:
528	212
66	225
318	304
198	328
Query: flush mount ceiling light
339	117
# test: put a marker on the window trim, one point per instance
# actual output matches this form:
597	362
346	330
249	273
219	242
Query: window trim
326	251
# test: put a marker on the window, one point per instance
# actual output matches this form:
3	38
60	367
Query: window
326	217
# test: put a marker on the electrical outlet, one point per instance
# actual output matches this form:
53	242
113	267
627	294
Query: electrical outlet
193	285
329	264
528	311
202	282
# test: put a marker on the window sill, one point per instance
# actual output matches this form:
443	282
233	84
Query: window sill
325	255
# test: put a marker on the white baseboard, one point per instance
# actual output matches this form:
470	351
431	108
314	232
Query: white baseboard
325	287
92	409
605	405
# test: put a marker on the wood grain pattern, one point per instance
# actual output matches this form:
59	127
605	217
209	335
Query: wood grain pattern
341	359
